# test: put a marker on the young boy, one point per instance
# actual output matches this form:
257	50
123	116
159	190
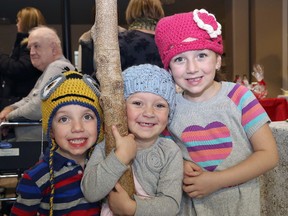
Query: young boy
156	162
72	121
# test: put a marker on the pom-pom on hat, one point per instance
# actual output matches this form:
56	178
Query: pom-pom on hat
152	79
182	32
68	88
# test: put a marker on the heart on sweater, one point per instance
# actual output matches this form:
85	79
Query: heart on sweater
208	146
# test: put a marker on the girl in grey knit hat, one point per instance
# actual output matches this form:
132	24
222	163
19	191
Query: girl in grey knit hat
156	161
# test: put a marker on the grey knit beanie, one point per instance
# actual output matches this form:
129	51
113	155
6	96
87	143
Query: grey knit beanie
152	79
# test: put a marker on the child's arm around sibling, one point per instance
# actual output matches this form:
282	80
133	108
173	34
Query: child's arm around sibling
101	174
264	158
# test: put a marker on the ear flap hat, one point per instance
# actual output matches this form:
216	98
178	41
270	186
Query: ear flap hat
68	88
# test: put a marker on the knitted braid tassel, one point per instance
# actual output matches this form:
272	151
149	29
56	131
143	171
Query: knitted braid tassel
51	172
107	58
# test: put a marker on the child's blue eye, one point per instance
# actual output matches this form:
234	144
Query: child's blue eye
63	119
160	105
179	59
88	117
202	55
136	103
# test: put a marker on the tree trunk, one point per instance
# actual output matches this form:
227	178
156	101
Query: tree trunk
109	74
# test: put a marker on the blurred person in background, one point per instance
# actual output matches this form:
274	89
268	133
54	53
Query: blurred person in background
137	45
85	61
47	56
17	74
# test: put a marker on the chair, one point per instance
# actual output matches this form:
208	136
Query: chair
18	156
276	108
26	129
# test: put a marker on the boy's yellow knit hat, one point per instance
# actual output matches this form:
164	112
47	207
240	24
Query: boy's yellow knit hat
68	88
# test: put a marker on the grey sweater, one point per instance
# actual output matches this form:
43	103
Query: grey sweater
30	107
215	134
158	169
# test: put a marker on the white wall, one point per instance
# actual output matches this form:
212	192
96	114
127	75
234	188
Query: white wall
267	42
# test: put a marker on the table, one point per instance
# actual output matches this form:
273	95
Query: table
274	184
283	96
276	108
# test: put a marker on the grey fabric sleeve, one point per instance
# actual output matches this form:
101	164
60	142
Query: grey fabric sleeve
101	174
30	106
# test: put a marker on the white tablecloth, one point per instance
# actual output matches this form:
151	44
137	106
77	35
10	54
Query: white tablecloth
283	96
274	184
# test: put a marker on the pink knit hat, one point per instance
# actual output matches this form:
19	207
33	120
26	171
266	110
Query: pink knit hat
182	32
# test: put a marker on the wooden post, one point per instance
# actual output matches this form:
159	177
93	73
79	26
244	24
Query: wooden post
109	74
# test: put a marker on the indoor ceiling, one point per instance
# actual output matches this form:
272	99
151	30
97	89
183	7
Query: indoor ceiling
80	10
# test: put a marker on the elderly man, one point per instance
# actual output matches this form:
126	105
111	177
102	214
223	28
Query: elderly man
47	56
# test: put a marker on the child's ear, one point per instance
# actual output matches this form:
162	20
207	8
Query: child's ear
218	63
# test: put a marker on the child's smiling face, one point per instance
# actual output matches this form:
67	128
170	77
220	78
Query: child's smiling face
194	72
147	116
74	129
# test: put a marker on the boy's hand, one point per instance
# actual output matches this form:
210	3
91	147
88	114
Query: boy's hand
126	147
120	203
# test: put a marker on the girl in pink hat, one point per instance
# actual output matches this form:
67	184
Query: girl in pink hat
221	128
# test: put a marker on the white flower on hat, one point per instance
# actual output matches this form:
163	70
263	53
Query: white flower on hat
205	25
